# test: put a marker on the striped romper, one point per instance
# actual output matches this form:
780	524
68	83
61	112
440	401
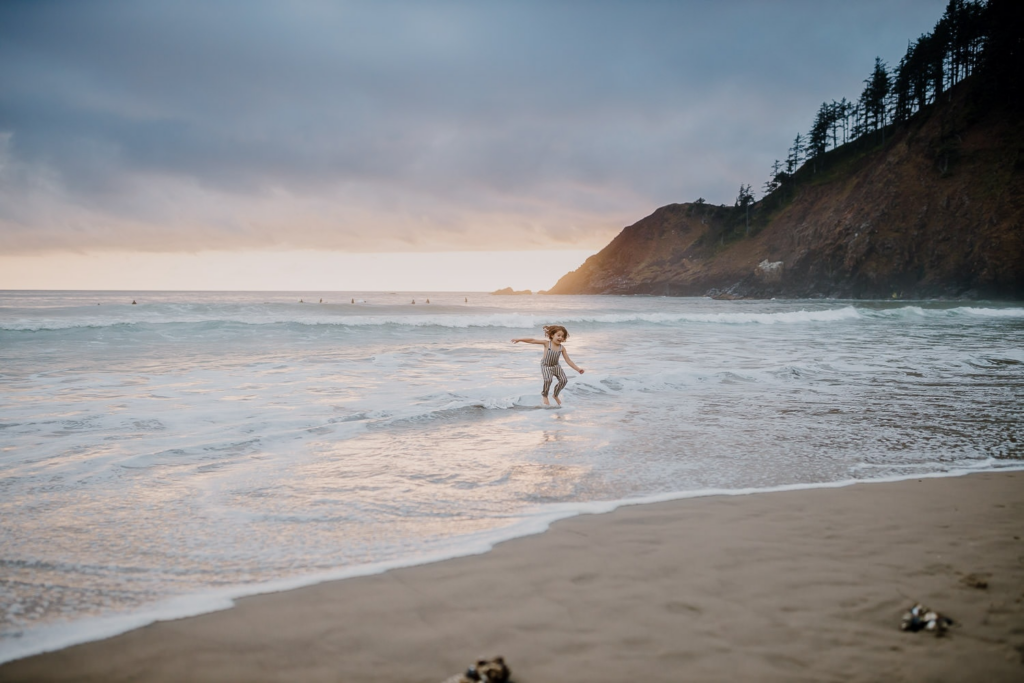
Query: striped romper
549	368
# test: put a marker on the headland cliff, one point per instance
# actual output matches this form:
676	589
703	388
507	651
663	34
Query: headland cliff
933	207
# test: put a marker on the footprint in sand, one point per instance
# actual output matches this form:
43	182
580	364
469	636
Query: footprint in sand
682	608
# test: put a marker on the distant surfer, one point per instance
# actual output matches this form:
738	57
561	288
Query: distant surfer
549	367
133	302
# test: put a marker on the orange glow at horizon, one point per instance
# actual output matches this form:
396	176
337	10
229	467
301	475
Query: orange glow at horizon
296	270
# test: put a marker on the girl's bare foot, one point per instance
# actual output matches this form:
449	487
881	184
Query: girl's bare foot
546	401
558	400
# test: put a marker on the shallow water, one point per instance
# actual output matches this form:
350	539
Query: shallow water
155	458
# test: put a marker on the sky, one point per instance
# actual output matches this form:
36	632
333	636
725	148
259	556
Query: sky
463	145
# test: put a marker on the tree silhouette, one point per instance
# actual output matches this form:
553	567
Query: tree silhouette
744	200
841	111
971	37
1002	61
876	93
902	94
795	156
817	139
776	179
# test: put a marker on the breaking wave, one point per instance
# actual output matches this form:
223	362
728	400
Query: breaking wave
499	320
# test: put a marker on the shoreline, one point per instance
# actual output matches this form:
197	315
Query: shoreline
61	636
796	584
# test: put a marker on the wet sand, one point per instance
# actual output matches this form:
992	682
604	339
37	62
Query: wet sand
791	586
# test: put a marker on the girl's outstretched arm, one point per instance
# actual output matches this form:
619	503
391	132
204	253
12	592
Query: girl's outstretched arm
530	341
569	361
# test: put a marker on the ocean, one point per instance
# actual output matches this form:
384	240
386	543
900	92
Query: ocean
160	459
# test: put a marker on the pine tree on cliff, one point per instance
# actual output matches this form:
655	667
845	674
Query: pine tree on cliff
1002	62
743	201
901	82
923	71
937	58
841	111
795	156
818	137
875	97
953	23
776	178
972	36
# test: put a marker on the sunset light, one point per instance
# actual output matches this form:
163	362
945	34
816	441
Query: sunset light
473	271
484	341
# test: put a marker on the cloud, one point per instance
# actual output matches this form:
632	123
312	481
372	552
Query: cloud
394	126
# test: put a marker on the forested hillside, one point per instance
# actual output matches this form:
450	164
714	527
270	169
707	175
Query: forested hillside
916	189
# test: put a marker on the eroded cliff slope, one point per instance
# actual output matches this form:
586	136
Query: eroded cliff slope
934	210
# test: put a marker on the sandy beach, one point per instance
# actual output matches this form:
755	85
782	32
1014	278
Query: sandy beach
790	586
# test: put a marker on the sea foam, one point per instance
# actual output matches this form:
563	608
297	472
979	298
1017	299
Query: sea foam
165	458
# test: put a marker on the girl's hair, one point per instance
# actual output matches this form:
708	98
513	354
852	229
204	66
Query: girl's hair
549	331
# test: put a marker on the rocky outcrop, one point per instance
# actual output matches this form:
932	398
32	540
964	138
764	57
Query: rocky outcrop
510	291
935	210
769	271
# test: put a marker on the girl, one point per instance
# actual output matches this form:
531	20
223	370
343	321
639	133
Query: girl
549	367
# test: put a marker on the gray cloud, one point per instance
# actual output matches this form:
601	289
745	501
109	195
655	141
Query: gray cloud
387	125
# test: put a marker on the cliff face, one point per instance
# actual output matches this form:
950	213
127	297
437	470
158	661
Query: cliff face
936	210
